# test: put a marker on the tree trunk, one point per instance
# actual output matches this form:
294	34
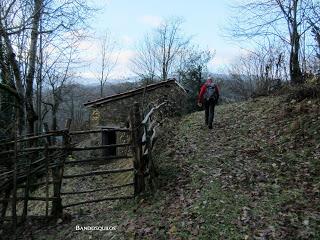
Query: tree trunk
39	84
295	71
72	107
54	119
18	79
101	89
31	114
164	72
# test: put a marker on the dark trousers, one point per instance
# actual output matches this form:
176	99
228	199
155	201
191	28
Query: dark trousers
209	111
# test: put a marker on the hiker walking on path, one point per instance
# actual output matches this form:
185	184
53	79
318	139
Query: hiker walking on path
208	97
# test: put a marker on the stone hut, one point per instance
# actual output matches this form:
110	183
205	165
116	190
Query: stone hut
113	111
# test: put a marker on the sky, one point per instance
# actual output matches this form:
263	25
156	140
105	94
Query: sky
129	20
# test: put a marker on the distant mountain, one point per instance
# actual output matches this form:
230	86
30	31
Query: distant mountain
222	76
95	82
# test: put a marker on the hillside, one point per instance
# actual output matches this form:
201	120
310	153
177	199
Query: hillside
254	176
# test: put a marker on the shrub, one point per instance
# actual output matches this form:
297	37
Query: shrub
304	91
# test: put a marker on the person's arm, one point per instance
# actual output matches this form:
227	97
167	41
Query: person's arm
202	91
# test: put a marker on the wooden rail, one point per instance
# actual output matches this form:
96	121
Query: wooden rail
106	159
98	189
59	133
29	198
99	200
97	173
101	130
25	139
36	149
99	147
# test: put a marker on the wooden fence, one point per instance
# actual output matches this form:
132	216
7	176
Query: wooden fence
144	137
30	162
24	161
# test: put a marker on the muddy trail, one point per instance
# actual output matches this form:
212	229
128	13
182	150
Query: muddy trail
255	175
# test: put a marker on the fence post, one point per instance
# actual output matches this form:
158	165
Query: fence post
57	209
46	155
14	190
149	160
47	159
135	119
7	193
46	129
56	203
27	188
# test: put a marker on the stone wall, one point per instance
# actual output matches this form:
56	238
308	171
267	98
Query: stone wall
116	113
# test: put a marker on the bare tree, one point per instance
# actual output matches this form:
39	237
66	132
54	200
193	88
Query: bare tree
20	32
57	75
24	86
159	52
314	21
278	18
108	59
144	63
258	72
169	42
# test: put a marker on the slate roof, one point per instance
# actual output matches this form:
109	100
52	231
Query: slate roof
133	92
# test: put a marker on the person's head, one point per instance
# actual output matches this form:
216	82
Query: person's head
209	80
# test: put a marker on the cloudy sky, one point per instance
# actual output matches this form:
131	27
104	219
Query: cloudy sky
129	20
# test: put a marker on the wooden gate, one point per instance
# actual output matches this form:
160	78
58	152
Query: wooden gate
105	160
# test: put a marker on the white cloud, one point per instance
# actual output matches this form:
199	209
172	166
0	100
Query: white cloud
88	75
223	58
101	3
121	69
89	49
85	45
151	20
123	64
125	56
127	40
